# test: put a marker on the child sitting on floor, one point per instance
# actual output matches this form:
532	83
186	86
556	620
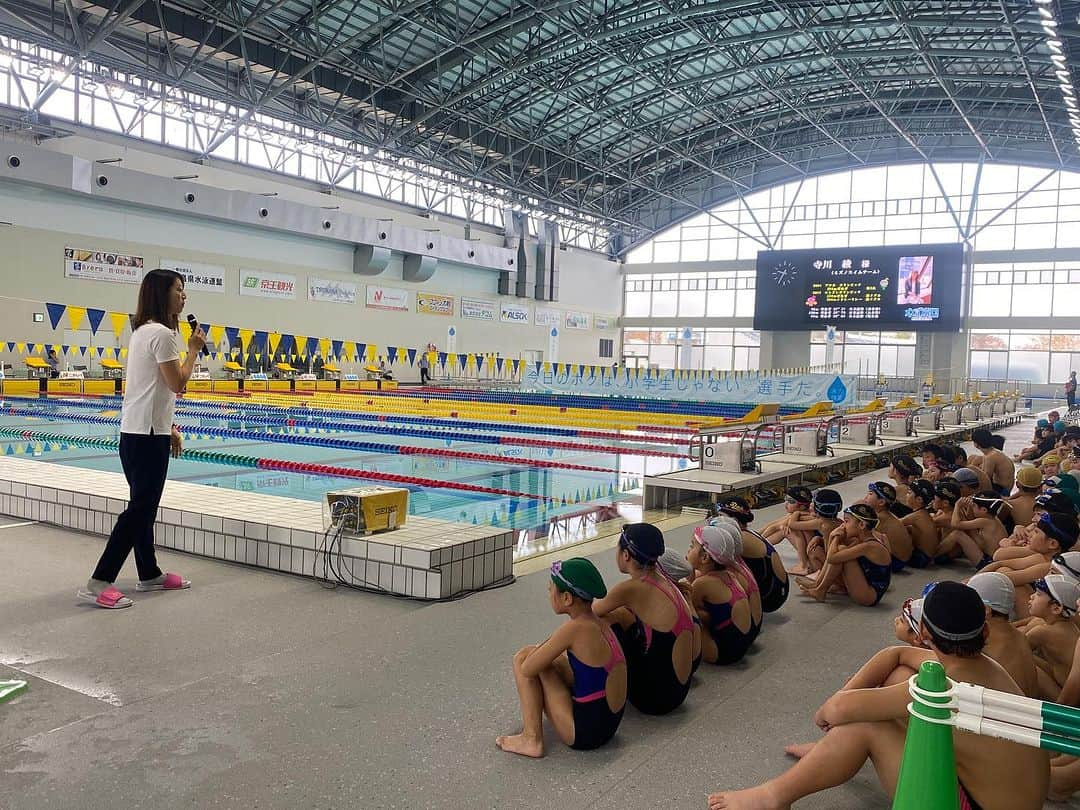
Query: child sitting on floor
759	555
881	497
925	537
903	470
1022	502
1005	643
858	557
797	502
946	494
865	720
1051	533
577	676
906	623
976	529
809	534
652	621
1050	632
718	594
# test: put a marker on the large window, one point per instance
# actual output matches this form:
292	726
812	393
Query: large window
703	350
1038	356
867	353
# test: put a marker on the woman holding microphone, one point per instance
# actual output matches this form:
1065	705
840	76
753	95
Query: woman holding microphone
147	436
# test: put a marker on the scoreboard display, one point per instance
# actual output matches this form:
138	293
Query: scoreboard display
898	287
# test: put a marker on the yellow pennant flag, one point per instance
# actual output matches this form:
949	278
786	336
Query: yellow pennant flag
36	348
324	347
216	334
245	337
274	338
185	330
76	315
118	320
372	350
547	367
348	350
300	345
123	353
21	347
258	357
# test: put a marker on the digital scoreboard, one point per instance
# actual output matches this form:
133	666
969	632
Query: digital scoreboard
898	287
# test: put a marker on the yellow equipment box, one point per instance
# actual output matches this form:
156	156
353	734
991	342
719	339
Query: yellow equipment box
366	509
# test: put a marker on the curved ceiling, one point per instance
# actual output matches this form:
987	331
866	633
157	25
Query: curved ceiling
637	112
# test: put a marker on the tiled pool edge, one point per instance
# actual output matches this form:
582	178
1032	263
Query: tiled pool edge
427	559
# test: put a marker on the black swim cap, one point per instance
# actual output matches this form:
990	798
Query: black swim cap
828	503
644	541
887	492
737	508
923	489
953	611
864	514
906	465
800	494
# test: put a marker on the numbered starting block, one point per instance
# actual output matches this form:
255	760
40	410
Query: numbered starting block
806	440
898	424
861	430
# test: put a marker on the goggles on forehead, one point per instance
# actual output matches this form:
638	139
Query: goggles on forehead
556	574
909	617
1040	585
1059	562
1046	522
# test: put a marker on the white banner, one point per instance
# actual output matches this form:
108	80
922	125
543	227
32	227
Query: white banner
451	339
514	313
553	344
545	316
387	298
99	265
577	320
478	309
604	321
686	345
336	292
260	284
198	277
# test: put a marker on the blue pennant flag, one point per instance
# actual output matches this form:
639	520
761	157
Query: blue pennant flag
56	312
260	339
11	346
95	317
442	359
498	363
335	347
411	355
232	334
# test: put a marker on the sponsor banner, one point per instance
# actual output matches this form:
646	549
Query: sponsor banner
577	320
604	321
667	384
514	313
102	265
433	304
198	277
553	344
260	284
545	316
336	292
478	309
387	298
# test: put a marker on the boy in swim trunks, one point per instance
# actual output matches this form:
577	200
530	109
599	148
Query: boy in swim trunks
946	495
1051	634
1005	643
902	471
998	467
925	537
881	497
1022	504
976	529
808	535
865	721
577	676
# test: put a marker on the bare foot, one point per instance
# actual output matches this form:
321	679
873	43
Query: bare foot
802	571
816	593
759	798
520	744
799	750
805	581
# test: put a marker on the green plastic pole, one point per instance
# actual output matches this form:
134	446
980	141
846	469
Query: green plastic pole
928	770
9	689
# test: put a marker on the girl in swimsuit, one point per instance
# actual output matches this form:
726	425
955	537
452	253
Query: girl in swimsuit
759	555
652	621
810	534
718	595
858	558
577	676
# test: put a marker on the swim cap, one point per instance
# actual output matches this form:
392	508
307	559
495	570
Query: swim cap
1065	481
732	527
579	577
996	590
864	514
906	465
827	503
644	541
1050	458
887	492
966	477
984	438
1060	427
1029	477
800	494
1055	502
948	491
953	611
737	508
719	542
1059	526
922	488
1042	423
1067	564
988	499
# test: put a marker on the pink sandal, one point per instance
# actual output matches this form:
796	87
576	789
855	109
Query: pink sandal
110	598
171	582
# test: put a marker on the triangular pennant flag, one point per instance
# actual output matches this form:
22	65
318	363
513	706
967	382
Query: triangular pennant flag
99	350
360	350
94	316
260	340
232	334
76	316
462	359
35	348
324	346
65	350
258	357
56	312
372	350
499	363
517	366
216	334
275	341
349	347
123	353
11	346
118	320
300	345
391	354
245	338
336	348
82	351
442	359
411	355
185	330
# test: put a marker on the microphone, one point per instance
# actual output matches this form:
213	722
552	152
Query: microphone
193	322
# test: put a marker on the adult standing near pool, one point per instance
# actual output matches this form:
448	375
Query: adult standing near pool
1070	390
155	376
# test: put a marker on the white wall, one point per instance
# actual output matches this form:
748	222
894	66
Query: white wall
44	222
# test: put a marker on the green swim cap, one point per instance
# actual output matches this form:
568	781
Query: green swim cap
579	577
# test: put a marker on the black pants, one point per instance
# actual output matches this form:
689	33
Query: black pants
146	462
1070	397
424	376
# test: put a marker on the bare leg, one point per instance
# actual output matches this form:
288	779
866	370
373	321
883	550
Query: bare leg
833	761
815	553
828	575
530	742
798	540
968	544
1064	780
857	587
799	750
899	675
1049	689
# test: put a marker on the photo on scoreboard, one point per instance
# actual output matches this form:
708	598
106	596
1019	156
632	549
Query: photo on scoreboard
901	287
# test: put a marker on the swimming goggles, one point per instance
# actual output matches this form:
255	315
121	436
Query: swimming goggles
556	574
1059	561
1045	521
1040	585
909	617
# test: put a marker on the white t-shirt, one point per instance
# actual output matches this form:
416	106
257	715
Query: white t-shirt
148	402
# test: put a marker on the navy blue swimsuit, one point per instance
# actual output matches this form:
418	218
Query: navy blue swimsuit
877	576
774	590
